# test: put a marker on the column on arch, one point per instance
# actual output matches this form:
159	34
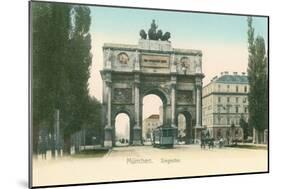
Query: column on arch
108	126
173	105
198	106
173	100
198	125
137	129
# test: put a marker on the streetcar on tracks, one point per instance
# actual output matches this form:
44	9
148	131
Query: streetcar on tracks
164	137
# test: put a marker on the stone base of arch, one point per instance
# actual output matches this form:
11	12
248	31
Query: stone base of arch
137	140
197	134
108	137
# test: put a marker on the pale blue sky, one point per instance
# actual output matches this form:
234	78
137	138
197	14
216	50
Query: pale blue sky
222	39
186	26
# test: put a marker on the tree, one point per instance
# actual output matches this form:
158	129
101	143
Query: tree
79	60
39	35
258	81
48	43
233	138
61	60
245	127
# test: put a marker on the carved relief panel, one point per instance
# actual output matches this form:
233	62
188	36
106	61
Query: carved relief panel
185	97
185	64
122	95
123	58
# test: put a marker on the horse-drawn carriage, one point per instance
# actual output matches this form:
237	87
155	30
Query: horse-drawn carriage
207	140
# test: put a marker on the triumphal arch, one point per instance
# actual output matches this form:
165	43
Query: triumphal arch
152	66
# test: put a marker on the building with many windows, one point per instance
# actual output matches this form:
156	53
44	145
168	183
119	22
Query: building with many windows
149	124
224	103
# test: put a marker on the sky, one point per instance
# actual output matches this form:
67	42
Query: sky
221	38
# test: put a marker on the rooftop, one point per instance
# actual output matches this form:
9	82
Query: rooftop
243	79
153	116
234	78
152	45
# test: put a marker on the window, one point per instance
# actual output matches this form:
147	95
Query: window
228	109
245	89
228	99
228	120
219	99
237	89
227	87
219	86
237	99
245	100
245	109
237	109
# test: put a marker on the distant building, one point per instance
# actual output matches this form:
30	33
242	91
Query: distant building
181	124
224	102
123	134
149	124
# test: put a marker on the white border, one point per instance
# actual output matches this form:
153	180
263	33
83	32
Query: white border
14	90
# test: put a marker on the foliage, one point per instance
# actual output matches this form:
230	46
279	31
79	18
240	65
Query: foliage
48	43
247	130
61	60
257	77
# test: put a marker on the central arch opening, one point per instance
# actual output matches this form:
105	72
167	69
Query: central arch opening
184	127
122	130
152	115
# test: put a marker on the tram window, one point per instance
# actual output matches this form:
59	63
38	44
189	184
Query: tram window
164	133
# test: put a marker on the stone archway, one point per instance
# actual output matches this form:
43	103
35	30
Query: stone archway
115	126
163	97
189	127
152	67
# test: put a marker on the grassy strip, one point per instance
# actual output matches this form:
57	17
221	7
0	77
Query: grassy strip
91	153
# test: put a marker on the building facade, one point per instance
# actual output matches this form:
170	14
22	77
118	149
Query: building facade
225	102
149	124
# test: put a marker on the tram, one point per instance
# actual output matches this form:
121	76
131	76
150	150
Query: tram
163	137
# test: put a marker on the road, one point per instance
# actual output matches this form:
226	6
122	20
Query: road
146	162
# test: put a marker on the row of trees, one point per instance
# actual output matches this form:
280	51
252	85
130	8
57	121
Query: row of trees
258	81
61	60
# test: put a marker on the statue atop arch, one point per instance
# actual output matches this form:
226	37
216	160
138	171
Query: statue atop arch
154	34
